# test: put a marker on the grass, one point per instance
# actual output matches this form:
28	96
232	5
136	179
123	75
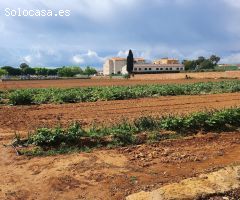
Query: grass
74	138
92	94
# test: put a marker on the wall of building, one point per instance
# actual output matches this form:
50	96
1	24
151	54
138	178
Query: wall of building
108	67
166	61
118	65
154	68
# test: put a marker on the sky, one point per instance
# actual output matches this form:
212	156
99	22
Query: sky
99	29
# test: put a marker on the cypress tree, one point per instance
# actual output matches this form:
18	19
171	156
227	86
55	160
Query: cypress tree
130	62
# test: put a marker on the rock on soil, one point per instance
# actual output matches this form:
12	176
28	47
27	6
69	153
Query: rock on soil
219	182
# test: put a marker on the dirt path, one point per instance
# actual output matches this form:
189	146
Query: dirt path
69	83
29	117
113	174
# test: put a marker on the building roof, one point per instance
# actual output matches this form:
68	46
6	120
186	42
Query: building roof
118	58
166	59
136	59
139	59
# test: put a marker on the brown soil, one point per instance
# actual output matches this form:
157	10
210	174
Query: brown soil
29	117
194	75
70	83
113	174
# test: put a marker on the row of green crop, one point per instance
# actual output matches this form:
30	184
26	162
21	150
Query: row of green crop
128	133
92	94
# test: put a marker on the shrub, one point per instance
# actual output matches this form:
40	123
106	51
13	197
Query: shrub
123	137
172	123
145	123
74	133
21	97
47	137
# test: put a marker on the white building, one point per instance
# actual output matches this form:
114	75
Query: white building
157	68
119	66
115	65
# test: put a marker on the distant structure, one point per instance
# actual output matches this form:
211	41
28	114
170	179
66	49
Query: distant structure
166	61
115	65
118	65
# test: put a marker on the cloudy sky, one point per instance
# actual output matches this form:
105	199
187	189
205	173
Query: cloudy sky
98	29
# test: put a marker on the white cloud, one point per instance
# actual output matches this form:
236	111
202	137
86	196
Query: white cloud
91	57
27	59
78	59
123	53
233	3
231	59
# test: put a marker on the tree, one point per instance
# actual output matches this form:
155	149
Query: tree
206	64
189	64
69	71
215	59
130	62
12	71
200	60
41	71
90	71
3	72
24	65
201	63
53	72
28	71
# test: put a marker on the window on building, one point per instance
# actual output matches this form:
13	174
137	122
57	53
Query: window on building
181	68
118	72
150	68
139	69
178	68
135	69
166	68
146	69
161	68
157	69
170	68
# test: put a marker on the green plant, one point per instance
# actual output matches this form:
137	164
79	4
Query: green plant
61	140
145	123
126	76
21	97
92	94
47	137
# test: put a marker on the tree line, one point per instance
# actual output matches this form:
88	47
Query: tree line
201	63
66	71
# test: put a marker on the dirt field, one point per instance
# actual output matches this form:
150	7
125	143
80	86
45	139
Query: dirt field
71	83
195	75
113	174
29	117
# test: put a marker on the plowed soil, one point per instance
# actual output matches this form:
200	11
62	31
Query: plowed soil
109	112
71	83
113	174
